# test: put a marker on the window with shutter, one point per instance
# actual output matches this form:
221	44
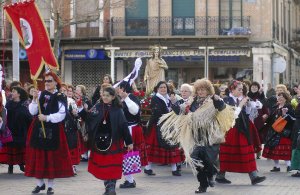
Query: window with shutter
136	14
183	13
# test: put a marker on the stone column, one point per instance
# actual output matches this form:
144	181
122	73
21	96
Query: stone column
262	66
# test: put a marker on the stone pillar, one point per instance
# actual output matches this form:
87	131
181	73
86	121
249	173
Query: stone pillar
262	66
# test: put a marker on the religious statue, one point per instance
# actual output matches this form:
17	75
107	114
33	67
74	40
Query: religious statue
154	71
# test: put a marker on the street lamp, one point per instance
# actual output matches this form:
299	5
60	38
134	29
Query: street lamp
206	54
112	61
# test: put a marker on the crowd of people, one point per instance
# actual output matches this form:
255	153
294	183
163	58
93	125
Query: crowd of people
216	128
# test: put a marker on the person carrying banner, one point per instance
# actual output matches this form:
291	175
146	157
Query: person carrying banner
47	153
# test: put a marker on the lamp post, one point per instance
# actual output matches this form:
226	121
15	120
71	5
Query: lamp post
15	51
112	61
206	55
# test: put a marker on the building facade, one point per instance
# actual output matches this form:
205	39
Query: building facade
252	39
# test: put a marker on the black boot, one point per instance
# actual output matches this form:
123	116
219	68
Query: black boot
10	169
22	168
110	187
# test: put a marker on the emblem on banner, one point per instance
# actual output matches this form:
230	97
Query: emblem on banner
26	33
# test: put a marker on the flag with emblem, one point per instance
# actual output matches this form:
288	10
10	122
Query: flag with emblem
26	19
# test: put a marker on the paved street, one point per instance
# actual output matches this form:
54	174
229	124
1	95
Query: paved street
161	184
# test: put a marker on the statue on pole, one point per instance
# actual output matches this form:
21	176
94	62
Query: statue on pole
155	70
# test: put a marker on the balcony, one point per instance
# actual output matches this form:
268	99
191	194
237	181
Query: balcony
176	26
87	30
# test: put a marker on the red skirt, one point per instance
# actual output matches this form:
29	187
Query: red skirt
48	164
107	165
281	152
139	143
82	145
12	155
157	154
75	153
236	155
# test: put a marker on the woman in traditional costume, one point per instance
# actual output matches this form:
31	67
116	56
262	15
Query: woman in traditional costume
237	153
158	151
197	129
260	113
72	128
131	108
279	144
107	130
18	121
47	152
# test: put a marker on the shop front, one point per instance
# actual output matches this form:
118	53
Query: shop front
187	65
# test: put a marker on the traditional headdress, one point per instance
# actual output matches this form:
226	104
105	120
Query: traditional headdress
48	72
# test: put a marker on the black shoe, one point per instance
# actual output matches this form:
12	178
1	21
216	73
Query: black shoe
257	157
37	189
296	174
258	179
275	169
127	184
50	191
10	169
110	193
149	172
84	160
22	168
223	180
200	190
288	169
176	173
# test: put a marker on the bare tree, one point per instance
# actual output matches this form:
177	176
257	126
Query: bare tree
84	11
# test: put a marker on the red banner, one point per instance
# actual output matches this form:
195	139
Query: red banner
26	19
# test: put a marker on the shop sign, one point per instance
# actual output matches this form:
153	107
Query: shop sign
181	52
91	54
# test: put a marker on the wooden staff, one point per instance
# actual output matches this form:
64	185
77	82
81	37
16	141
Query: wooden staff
39	106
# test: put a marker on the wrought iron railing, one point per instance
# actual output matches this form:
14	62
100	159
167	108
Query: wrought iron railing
172	26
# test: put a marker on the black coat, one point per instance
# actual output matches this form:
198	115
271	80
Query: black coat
242	122
118	123
18	121
288	129
158	108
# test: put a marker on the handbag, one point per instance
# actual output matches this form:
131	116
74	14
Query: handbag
279	124
6	136
132	163
103	142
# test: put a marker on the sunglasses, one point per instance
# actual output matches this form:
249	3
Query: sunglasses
48	81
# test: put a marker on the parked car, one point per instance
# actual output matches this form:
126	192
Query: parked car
237	31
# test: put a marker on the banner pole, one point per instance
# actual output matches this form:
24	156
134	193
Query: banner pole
39	107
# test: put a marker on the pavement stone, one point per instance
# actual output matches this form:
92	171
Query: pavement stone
162	184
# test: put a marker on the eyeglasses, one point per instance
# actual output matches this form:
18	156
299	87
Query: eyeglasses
48	81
